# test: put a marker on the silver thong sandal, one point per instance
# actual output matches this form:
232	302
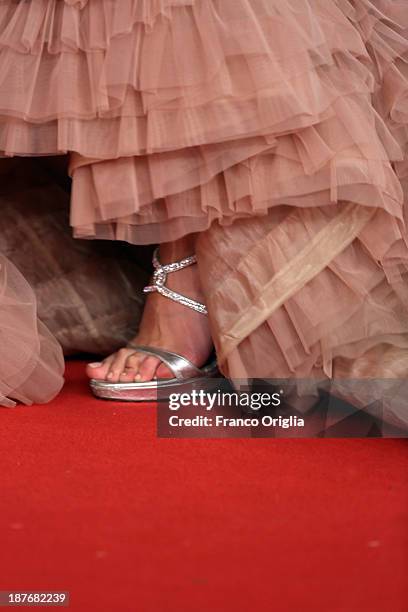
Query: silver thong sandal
187	376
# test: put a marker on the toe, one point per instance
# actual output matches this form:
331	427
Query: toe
118	365
148	368
132	366
164	372
98	370
127	376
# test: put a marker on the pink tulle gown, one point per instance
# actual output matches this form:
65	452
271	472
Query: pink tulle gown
276	128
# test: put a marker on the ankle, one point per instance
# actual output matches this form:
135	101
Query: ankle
170	252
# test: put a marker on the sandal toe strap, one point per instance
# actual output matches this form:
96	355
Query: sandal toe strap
181	367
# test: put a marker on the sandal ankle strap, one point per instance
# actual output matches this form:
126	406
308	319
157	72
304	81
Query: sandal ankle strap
160	277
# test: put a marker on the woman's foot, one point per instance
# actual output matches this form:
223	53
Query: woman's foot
165	324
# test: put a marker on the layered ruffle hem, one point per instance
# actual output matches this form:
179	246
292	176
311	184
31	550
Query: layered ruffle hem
278	130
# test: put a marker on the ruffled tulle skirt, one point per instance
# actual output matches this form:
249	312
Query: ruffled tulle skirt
278	130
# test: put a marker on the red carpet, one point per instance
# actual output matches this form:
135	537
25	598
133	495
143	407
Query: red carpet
93	503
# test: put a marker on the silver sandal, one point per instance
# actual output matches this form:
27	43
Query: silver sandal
187	376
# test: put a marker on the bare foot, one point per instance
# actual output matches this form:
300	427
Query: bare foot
165	324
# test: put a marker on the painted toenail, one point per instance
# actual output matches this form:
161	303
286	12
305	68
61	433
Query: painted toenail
95	365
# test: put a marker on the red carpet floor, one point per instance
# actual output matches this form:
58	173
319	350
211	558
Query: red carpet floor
93	503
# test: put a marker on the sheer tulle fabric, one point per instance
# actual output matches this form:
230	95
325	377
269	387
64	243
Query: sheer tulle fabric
31	360
277	129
